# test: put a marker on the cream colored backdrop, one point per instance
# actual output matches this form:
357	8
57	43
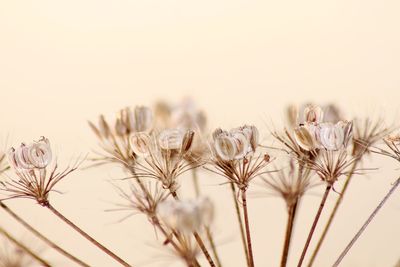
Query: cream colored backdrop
64	62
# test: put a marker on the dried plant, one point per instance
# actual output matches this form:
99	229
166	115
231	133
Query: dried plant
156	147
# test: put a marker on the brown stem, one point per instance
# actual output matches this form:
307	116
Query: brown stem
247	225
289	229
240	221
196	182
332	215
198	239
41	236
367	222
87	236
24	248
208	230
314	225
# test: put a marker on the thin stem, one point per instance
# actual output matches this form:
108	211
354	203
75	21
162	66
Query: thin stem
367	222
314	225
207	228
196	184
24	248
333	213
240	221
247	225
289	230
198	239
87	236
41	236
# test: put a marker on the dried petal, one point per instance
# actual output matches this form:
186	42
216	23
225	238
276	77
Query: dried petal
225	147
171	139
331	136
140	143
304	138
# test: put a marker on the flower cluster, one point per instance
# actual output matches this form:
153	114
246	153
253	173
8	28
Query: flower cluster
31	164
115	140
187	216
326	142
162	156
315	134
234	154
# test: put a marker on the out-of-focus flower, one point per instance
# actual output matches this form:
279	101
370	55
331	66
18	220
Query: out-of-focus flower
187	216
115	140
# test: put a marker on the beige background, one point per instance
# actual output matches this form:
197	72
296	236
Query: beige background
64	62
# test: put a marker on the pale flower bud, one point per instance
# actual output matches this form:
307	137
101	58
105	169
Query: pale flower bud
304	138
331	136
140	143
171	139
313	114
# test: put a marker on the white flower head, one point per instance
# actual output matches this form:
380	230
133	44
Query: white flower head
187	216
171	139
36	155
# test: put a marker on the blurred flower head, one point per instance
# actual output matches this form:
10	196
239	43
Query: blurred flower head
186	216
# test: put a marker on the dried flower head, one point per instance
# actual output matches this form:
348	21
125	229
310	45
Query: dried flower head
367	132
320	146
115	141
234	155
290	183
162	156
36	176
187	216
143	201
392	142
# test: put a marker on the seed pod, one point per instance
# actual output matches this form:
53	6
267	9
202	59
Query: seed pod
39	153
140	143
304	138
225	147
331	136
187	141
104	129
292	114
313	114
241	143
171	139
